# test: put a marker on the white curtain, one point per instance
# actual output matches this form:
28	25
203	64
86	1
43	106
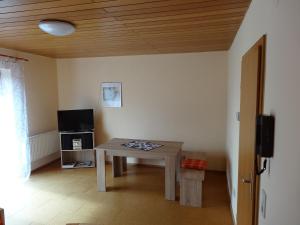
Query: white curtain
14	145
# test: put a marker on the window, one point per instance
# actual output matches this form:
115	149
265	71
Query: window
14	148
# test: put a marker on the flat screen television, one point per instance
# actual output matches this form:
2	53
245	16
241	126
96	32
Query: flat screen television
75	120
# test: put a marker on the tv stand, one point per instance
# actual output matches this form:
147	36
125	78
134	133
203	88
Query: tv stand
77	149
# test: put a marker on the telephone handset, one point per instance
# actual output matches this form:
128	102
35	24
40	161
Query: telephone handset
264	139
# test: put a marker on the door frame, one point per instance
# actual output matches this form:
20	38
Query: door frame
261	45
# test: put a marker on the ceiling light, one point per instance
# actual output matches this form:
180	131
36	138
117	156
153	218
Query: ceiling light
57	27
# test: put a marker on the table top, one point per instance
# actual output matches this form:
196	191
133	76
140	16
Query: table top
114	147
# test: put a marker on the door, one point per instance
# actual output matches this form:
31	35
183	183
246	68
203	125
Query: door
251	105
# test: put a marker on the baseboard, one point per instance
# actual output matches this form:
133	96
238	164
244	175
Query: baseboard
134	161
44	161
155	163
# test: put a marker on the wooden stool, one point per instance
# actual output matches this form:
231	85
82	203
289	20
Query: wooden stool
191	182
80	224
2	221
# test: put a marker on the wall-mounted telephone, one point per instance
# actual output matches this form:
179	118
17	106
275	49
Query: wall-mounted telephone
264	138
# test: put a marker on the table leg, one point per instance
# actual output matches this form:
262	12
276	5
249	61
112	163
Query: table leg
101	181
170	171
117	166
178	162
124	162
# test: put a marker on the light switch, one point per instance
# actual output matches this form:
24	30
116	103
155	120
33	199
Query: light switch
237	116
263	203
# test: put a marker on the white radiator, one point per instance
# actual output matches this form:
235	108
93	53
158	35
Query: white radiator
44	148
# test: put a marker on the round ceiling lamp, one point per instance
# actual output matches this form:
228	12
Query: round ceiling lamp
57	27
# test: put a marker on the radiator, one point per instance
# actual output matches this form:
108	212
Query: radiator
44	148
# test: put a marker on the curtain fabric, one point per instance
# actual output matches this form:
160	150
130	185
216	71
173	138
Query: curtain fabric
14	146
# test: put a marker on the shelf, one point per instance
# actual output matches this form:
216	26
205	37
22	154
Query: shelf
67	167
85	166
77	165
77	150
72	158
79	132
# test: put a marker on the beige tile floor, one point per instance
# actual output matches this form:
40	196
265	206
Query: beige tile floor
53	196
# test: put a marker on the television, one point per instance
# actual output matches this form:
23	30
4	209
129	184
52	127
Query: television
75	120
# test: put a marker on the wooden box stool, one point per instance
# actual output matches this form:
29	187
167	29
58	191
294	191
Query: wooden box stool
2	221
191	182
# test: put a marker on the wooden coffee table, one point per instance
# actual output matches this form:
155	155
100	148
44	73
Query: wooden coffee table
170	152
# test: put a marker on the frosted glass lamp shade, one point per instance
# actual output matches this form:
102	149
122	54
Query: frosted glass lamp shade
56	27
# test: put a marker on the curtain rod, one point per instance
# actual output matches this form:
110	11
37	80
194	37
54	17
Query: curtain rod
16	58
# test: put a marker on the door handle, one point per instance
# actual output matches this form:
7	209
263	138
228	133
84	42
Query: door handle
249	181
246	181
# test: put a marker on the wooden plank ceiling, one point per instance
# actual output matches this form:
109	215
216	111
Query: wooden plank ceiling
121	27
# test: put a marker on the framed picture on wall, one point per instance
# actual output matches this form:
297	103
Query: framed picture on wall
111	94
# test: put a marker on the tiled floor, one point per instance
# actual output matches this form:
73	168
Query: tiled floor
53	196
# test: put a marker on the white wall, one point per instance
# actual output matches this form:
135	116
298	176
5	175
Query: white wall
280	20
180	97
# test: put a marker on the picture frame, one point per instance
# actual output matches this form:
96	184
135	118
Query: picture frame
111	94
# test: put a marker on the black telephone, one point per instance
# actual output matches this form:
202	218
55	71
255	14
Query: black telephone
264	139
